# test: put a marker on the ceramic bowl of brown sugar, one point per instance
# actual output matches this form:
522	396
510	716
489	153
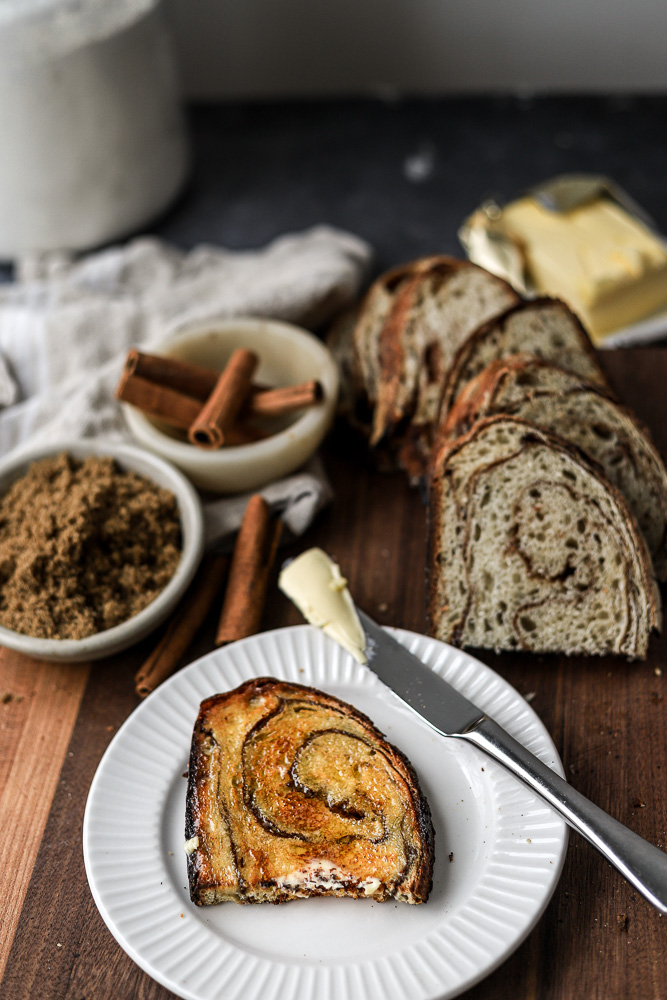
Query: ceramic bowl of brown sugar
98	543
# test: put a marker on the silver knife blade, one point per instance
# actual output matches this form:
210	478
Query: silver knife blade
453	715
429	695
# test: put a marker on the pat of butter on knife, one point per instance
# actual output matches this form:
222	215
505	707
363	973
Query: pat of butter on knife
314	582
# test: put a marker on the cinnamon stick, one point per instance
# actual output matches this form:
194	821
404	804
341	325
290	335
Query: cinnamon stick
197	383
176	409
172	407
181	376
254	554
174	373
183	627
223	405
275	402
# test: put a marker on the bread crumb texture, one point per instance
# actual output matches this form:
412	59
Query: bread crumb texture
84	545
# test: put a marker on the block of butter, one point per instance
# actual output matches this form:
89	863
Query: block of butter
592	251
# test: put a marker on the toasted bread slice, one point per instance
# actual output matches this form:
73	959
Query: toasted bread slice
530	547
584	415
293	793
546	328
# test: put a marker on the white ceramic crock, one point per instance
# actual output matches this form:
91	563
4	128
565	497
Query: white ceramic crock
93	144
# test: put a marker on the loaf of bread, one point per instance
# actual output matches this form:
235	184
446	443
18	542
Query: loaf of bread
584	415
546	328
407	331
530	547
293	793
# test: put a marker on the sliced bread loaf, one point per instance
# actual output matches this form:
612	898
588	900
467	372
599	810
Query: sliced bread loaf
585	415
530	547
546	328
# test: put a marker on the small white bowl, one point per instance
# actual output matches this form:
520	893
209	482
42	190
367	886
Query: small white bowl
121	636
287	355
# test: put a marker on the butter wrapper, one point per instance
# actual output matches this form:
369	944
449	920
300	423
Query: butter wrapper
581	238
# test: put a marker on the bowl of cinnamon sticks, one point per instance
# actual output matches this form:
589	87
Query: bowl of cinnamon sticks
234	404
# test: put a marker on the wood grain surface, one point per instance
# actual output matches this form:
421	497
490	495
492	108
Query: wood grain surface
597	939
40	703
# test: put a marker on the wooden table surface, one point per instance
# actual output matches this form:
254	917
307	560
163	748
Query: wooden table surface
598	937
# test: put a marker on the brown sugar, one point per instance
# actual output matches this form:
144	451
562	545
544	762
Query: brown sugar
84	546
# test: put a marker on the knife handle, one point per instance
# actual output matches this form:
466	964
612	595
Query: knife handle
642	864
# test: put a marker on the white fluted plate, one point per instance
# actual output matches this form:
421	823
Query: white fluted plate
499	849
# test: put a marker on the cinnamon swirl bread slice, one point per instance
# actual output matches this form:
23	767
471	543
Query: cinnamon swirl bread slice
393	361
546	328
585	415
292	793
432	308
532	548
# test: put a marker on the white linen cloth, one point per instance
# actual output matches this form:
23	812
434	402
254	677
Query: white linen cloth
66	326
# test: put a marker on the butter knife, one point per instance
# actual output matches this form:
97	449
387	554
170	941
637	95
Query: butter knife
453	715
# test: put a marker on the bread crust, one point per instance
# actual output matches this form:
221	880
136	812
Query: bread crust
272	824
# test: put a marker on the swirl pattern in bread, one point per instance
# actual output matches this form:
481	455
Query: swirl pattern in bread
292	792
